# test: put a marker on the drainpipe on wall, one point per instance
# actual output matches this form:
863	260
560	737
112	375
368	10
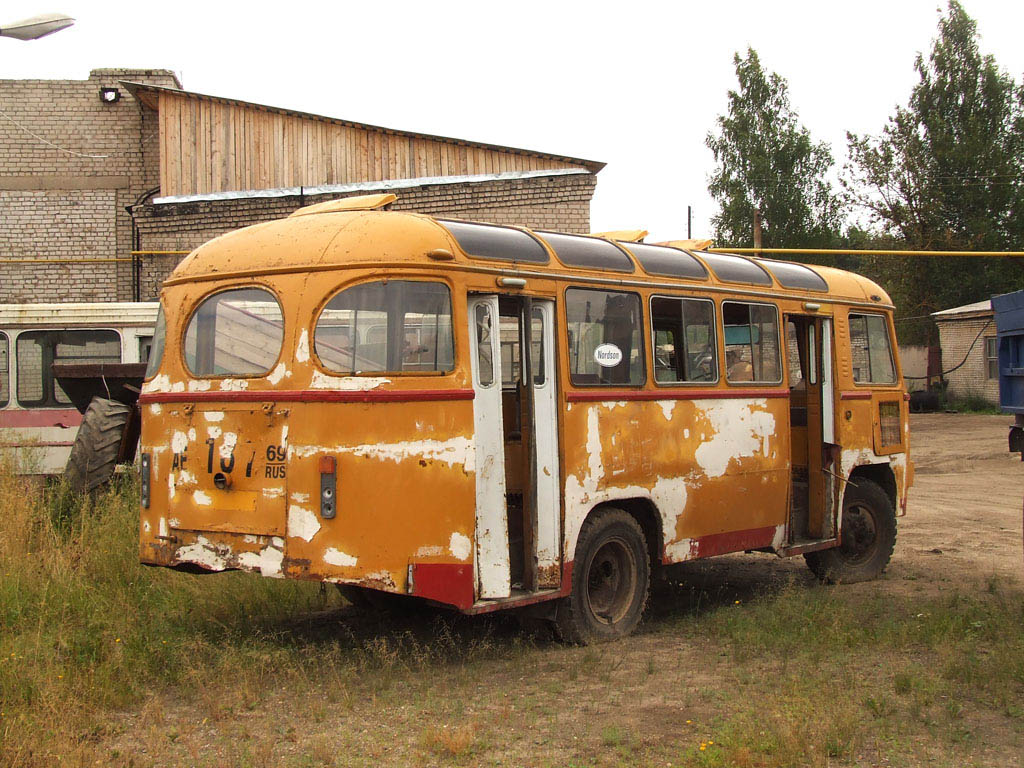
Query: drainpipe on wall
137	244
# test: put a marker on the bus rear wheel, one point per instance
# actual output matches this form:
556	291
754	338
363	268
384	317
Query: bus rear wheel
610	580
868	537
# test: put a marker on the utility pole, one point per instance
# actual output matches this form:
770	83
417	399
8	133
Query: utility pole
689	222
757	231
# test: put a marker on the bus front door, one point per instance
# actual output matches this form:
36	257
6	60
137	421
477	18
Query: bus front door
517	500
812	428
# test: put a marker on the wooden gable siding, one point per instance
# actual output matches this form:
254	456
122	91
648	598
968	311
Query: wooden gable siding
209	146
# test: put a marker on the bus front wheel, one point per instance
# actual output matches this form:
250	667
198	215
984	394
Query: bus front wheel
868	537
610	580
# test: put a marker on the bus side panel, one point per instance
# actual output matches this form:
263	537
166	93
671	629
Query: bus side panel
406	493
717	470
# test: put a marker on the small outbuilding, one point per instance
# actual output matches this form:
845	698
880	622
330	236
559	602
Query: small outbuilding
967	336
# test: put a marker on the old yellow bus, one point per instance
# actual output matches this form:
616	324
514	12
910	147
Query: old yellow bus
345	395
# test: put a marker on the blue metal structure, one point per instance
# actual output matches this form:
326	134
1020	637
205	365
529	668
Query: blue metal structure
1009	316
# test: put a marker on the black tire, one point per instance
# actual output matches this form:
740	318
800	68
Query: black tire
868	537
97	444
610	580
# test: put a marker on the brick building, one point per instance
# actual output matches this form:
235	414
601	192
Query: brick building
968	334
92	170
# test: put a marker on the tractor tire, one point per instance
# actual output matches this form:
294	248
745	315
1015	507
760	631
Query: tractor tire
97	444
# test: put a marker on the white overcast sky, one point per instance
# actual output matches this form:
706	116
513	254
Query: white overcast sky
637	85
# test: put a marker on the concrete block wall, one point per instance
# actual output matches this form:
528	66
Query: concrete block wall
554	202
69	166
971	379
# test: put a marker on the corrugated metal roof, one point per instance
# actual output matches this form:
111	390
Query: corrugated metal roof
368	186
978	307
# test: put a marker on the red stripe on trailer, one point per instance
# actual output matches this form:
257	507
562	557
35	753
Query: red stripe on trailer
40	417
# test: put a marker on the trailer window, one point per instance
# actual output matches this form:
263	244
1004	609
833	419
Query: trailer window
751	343
5	372
37	351
604	329
684	340
870	350
155	353
234	333
391	326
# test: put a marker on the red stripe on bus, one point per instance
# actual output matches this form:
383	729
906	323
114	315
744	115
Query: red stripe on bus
309	396
673	394
41	417
731	541
854	395
37	444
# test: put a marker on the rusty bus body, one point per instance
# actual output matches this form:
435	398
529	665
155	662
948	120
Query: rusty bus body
342	397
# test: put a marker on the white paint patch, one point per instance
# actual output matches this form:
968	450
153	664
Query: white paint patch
429	551
460	546
302	350
743	428
192	435
667	407
213	416
171	490
203	553
854	457
779	539
302	523
184	476
249	539
273	493
199	385
336	557
162	527
178	386
680	551
146	526
300	497
233	385
456	450
213	432
278	373
686	434
161	383
201	498
174	522
284	435
347	383
155	409
179	442
228	446
267	562
612	406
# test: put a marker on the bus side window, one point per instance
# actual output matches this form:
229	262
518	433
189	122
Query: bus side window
870	350
604	330
751	343
5	371
38	350
684	340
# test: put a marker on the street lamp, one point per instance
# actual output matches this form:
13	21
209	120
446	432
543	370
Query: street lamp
37	26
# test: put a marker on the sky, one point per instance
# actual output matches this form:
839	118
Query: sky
635	85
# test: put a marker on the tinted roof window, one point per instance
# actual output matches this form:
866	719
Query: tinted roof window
592	252
795	275
659	260
735	269
486	241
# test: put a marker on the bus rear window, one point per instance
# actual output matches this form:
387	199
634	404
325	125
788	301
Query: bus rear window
605	344
394	326
5	372
870	350
234	333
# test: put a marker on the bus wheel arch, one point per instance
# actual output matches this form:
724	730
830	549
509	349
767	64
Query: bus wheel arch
867	536
611	577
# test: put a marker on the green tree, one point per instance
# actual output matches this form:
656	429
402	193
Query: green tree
765	159
946	174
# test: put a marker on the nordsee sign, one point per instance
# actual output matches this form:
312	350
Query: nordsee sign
607	355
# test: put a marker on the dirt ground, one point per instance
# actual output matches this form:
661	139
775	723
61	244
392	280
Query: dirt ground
637	701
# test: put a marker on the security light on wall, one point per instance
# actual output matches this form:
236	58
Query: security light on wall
109	95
